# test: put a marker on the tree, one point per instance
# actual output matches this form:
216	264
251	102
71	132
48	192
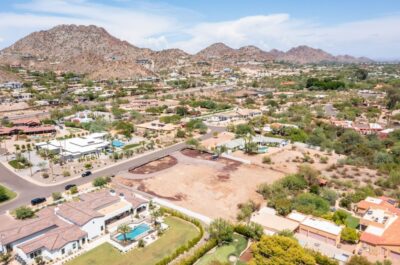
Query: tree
124	229
73	190
180	133
329	195
282	205
361	74
309	203
250	147
99	182
5	258
243	130
272	250
340	216
24	212
246	210
349	235
192	142
251	230
392	98
309	173
221	230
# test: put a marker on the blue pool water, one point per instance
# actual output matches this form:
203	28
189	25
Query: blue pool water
117	143
135	232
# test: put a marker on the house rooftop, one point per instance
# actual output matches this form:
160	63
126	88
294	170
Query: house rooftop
272	222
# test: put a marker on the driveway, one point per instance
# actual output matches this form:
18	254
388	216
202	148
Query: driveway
27	190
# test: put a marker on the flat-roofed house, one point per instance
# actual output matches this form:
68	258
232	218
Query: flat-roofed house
273	223
76	147
317	228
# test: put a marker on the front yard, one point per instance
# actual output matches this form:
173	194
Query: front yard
223	253
179	233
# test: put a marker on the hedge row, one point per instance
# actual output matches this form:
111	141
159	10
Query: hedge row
200	252
182	249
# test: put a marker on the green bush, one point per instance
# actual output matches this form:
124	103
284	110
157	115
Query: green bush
252	230
56	196
3	194
24	212
99	182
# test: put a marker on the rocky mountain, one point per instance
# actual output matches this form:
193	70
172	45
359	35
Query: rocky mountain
6	76
93	51
304	55
83	49
300	55
216	51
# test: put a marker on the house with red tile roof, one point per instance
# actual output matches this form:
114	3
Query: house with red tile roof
380	225
56	232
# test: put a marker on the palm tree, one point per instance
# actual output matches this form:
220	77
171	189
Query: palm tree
124	229
29	149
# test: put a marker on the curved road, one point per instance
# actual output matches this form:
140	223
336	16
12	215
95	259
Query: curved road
27	190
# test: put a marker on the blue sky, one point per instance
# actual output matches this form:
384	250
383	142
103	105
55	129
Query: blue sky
357	27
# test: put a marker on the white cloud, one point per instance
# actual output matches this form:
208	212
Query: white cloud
376	37
161	26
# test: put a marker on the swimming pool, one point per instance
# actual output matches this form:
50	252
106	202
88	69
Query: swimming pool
117	143
135	232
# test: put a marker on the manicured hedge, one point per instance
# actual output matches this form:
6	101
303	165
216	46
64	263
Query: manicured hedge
190	244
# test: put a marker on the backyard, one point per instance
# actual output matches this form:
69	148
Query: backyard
223	253
179	233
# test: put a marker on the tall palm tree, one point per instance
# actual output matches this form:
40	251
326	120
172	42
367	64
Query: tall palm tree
124	229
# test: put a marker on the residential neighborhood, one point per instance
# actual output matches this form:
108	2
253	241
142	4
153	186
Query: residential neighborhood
199	132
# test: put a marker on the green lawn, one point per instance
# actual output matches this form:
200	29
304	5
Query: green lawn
179	233
352	221
10	194
222	253
17	165
130	146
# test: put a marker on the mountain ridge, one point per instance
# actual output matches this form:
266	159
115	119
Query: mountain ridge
94	51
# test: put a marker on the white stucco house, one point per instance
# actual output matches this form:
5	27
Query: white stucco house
58	231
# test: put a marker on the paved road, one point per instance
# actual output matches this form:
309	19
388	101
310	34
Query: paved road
27	190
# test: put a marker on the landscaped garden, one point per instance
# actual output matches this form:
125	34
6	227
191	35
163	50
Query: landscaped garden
180	232
6	194
20	162
223	253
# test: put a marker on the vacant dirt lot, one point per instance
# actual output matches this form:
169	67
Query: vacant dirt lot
287	159
155	166
212	188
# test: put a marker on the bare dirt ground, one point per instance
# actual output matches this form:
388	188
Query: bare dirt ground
220	138
288	158
155	166
212	188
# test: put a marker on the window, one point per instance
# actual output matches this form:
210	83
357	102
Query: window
62	251
74	246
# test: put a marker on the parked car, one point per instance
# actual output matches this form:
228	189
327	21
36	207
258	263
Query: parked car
70	186
86	173
37	201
